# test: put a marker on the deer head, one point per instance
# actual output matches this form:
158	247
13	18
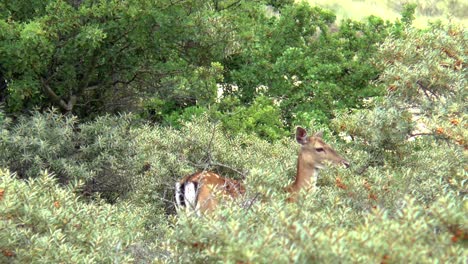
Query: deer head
315	152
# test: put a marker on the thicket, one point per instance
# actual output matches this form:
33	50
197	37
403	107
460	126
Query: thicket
42	222
101	190
122	161
403	201
170	60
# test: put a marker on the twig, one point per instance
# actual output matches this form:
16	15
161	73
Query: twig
210	145
205	166
420	134
244	175
251	202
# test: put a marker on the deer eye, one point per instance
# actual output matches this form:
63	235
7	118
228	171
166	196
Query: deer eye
320	149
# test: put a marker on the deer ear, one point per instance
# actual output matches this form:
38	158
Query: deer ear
319	134
301	135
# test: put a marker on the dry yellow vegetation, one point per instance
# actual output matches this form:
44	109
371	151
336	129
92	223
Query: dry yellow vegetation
427	10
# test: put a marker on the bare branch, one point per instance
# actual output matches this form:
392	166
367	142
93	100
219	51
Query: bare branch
67	106
206	165
420	134
250	202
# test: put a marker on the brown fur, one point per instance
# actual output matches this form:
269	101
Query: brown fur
210	182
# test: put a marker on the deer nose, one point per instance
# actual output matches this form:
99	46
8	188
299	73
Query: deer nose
346	163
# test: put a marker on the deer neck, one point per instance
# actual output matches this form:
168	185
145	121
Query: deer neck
307	172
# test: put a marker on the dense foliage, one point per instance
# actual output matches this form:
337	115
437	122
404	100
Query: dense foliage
161	57
43	222
405	199
219	85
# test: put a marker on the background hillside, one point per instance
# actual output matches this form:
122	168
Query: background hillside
427	10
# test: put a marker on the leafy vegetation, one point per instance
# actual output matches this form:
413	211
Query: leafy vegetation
43	222
105	104
121	56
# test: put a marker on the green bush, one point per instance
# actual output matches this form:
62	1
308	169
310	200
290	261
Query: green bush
262	118
43	222
323	229
411	210
71	55
309	63
424	106
103	153
39	142
404	199
113	154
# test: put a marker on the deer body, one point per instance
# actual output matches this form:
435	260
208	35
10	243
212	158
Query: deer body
196	191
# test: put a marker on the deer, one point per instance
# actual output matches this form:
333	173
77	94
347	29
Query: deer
197	192
313	156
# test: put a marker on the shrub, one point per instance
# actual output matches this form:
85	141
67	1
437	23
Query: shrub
309	63
323	229
114	154
402	201
44	222
423	110
262	118
39	142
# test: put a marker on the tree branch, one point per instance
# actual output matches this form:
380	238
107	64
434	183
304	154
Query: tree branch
420	134
67	106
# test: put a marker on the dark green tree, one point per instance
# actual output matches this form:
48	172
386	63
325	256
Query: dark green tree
308	63
76	57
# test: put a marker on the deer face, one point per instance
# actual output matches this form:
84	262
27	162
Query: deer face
316	152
